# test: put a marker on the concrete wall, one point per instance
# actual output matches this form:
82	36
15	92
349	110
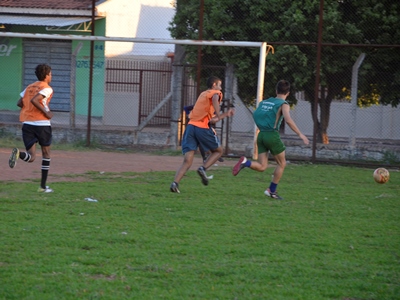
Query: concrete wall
240	144
375	122
380	122
242	121
121	109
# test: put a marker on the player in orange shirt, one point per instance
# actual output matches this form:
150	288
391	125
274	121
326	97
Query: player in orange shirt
35	116
199	133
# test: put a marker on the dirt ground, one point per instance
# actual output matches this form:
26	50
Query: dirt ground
66	163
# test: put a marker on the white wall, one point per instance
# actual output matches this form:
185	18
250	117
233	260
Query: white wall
121	109
137	19
242	121
382	122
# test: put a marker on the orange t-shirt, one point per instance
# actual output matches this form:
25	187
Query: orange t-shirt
203	109
29	113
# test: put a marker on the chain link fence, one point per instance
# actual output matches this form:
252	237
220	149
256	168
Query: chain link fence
346	107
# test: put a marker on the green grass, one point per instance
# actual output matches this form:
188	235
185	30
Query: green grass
335	236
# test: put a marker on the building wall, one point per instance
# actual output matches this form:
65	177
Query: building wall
138	19
10	72
12	69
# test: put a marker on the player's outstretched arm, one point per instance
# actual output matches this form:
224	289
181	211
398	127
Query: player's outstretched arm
292	124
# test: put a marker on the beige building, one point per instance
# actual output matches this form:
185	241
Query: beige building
138	19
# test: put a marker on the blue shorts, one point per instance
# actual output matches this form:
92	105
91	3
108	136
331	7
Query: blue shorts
195	137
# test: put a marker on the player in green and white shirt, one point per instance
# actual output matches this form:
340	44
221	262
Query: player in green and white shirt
268	117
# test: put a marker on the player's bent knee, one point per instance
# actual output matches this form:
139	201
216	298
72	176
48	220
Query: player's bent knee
219	150
282	164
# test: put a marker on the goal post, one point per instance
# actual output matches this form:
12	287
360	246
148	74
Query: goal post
261	45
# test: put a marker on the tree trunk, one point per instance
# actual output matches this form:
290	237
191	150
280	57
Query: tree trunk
325	109
309	94
324	105
316	122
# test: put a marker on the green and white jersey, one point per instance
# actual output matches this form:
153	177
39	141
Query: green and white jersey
266	115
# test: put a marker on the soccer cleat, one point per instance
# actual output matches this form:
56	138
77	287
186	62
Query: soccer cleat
12	161
174	187
239	166
202	173
46	190
273	195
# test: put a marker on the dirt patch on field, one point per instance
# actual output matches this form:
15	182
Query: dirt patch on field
72	165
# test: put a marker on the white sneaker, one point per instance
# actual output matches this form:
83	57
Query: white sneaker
46	190
272	195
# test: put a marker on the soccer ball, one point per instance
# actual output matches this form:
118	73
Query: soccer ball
381	175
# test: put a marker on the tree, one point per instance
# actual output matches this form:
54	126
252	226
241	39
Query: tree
294	22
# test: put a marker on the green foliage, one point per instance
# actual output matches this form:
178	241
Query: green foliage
363	101
335	236
345	22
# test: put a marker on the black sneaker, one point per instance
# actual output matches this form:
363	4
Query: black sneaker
12	161
273	195
202	173
174	187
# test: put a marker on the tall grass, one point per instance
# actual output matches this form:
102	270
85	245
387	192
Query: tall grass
335	236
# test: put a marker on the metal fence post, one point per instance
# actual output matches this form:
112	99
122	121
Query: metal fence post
176	90
354	88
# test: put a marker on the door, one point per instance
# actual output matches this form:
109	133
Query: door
57	54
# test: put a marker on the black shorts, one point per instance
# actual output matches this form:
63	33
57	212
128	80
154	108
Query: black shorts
36	134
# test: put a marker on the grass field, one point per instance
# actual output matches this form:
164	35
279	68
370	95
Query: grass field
335	236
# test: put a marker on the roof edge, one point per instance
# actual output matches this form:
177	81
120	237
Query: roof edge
54	12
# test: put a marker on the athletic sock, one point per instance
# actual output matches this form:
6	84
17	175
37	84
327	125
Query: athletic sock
272	187
247	163
45	172
25	156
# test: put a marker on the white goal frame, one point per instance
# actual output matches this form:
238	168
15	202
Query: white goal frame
261	45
